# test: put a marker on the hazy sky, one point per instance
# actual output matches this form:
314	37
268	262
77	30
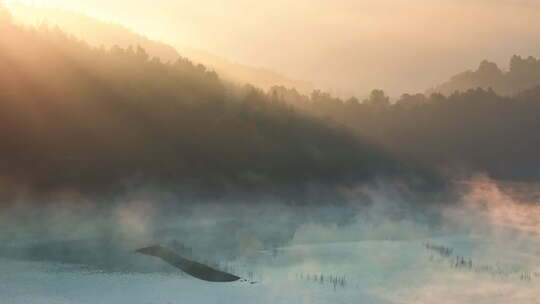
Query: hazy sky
346	45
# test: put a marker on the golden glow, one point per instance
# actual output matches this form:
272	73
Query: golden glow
350	46
38	3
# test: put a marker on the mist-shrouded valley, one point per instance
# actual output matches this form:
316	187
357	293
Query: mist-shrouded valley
142	163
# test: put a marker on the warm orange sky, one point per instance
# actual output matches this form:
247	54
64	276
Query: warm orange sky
348	45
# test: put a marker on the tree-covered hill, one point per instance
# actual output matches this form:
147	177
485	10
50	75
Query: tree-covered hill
96	119
476	131
523	74
97	33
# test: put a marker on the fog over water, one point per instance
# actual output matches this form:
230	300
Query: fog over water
384	248
132	175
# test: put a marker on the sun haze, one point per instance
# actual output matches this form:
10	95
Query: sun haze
347	46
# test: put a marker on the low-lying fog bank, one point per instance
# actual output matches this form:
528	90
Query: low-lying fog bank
377	246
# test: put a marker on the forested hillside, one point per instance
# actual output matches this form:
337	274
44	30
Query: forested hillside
466	133
73	115
98	33
97	120
523	74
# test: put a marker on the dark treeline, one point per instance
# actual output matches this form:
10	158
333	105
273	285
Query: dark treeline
96	120
523	74
472	131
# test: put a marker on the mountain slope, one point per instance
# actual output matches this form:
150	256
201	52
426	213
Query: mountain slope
73	116
99	33
523	74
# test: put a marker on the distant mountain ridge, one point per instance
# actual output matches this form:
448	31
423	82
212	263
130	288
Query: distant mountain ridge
523	74
242	74
97	33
